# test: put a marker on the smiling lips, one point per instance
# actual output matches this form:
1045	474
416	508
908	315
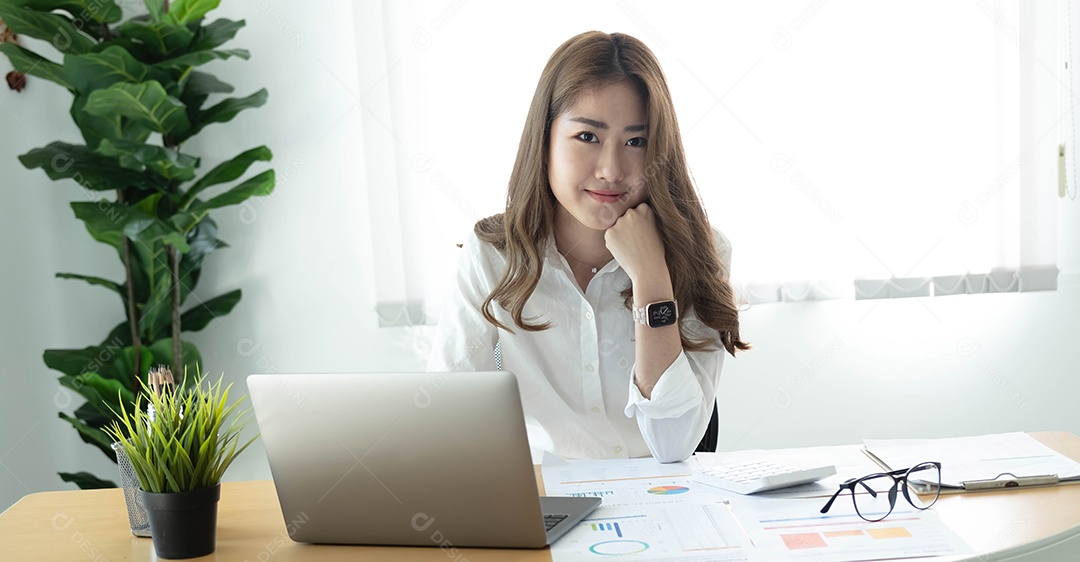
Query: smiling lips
606	196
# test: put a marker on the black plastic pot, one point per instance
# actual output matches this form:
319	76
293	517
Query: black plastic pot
183	524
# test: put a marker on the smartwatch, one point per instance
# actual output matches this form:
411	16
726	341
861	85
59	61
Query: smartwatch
657	314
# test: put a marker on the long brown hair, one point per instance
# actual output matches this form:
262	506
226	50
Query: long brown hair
698	274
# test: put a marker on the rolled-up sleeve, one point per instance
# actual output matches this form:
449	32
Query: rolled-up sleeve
674	419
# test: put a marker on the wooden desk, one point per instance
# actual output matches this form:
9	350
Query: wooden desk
92	525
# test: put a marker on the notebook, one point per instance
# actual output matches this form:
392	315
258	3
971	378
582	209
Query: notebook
421	459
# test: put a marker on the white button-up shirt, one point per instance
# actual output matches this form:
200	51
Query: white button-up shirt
576	378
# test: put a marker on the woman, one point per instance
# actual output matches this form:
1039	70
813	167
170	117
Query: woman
602	283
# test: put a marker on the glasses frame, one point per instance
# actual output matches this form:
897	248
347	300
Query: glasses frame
898	476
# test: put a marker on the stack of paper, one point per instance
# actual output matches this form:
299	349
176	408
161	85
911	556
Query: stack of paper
980	458
654	511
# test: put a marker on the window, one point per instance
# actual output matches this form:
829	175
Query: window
849	151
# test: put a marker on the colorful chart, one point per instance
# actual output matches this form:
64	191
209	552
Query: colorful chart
608	527
619	548
797	541
668	490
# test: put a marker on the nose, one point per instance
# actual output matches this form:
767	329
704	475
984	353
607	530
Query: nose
609	166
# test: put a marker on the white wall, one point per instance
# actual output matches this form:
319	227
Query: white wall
820	373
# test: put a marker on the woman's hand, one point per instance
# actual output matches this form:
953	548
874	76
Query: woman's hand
634	241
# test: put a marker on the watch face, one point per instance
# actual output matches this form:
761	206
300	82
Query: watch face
662	314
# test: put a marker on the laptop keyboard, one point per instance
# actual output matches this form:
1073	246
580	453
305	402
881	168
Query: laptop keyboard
552	519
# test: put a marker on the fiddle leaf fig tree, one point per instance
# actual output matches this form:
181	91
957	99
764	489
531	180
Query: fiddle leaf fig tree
137	98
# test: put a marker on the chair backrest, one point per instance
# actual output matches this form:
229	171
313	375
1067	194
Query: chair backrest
712	433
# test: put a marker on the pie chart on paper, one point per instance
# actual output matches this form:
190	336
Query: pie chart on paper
668	490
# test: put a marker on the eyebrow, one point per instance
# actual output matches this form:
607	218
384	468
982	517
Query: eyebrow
604	126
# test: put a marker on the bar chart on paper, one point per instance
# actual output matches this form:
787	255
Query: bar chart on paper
683	532
796	530
591	494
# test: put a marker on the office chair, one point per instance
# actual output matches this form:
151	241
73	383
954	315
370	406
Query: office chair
712	433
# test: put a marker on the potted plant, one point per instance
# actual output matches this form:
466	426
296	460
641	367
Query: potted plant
180	446
138	95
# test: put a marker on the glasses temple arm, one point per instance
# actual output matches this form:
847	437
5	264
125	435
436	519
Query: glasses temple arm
829	503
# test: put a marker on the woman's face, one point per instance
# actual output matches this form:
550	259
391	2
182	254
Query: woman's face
596	159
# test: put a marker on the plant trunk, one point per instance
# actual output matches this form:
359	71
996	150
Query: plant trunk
174	265
133	319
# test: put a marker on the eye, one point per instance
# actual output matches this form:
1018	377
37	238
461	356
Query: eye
586	136
637	142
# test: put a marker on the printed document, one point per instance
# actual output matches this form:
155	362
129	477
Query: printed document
981	457
654	511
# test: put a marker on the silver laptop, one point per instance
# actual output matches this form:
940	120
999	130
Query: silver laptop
422	459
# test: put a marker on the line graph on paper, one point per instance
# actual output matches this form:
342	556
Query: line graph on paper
691	532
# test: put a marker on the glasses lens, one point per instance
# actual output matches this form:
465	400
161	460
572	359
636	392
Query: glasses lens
923	485
875	496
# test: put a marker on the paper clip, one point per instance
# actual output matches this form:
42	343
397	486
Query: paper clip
1013	482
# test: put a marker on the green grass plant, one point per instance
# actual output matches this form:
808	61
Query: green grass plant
188	441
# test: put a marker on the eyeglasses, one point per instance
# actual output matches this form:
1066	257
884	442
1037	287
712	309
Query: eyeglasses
881	489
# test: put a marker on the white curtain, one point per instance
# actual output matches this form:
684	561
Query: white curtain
848	150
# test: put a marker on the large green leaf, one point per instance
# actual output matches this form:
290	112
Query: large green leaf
262	184
154	233
163	353
198	58
103	394
203	84
100	11
187	11
95	71
94	128
227	109
124	363
29	62
156	8
202	313
152	286
92	416
160	40
92	171
166	162
109	223
227	171
74	362
147	103
197	88
202	240
53	28
215	34
105	223
91	435
155	314
86	481
111	285
121	333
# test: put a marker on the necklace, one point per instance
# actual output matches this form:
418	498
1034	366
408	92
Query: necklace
579	262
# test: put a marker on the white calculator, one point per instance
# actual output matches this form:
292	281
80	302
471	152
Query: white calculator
762	476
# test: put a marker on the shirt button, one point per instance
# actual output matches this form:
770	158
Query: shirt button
618	449
595	410
589	368
588	316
